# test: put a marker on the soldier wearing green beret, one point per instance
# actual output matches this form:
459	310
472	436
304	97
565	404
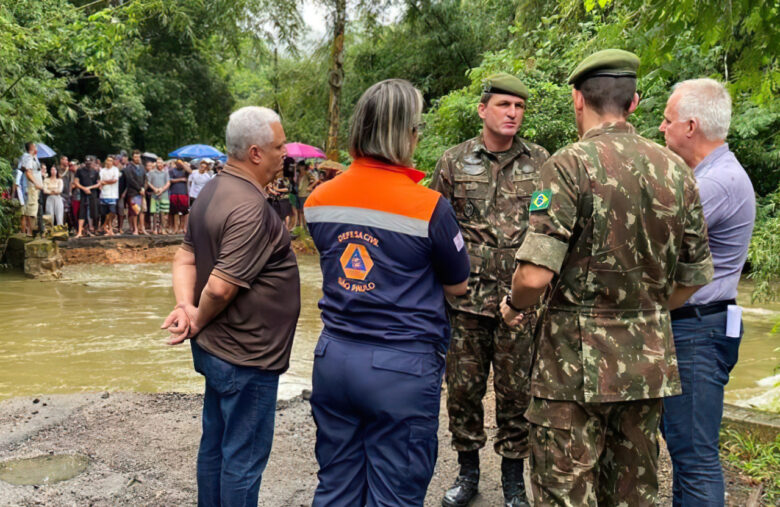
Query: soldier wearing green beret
618	234
489	181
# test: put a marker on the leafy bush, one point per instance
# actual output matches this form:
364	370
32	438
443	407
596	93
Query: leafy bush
550	38
759	461
764	251
548	120
9	209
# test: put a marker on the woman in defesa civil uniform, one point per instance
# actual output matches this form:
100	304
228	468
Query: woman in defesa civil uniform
390	249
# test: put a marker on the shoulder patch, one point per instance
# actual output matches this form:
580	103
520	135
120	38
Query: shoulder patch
540	200
459	242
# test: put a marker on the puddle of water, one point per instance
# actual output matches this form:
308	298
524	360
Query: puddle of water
41	470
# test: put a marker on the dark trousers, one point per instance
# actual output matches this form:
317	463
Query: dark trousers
41	211
239	407
691	421
377	415
71	218
89	207
477	343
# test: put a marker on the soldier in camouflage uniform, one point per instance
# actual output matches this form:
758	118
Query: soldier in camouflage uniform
617	227
489	181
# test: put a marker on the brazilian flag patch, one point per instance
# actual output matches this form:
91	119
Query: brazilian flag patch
540	200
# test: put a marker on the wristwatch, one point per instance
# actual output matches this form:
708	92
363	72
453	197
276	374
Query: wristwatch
508	301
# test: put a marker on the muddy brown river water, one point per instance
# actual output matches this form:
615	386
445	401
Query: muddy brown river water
98	330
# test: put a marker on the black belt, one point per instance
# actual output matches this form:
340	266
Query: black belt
687	312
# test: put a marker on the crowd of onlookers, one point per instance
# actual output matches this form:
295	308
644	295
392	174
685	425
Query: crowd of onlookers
288	193
136	194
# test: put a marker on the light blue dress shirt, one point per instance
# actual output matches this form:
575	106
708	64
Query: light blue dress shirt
729	204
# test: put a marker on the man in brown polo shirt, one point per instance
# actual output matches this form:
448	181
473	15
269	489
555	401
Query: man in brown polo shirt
238	298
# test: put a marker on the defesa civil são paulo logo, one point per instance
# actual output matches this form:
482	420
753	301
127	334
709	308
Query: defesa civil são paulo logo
356	264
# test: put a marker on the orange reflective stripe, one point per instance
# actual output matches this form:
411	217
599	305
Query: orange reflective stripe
372	186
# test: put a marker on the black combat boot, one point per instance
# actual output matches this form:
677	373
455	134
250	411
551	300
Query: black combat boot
512	483
464	489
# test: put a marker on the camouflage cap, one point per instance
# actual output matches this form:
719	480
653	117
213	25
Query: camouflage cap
609	62
505	83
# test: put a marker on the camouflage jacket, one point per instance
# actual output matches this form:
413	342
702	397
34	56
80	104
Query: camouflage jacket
618	219
490	194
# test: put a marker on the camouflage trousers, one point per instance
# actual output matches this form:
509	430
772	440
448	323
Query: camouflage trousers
594	453
477	342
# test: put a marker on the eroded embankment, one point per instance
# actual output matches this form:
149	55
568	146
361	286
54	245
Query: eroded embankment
127	249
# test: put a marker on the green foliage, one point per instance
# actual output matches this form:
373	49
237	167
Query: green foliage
31	49
756	142
764	252
433	45
759	461
171	87
32	93
591	4
736	42
548	118
455	118
10	209
675	41
296	88
10	213
97	76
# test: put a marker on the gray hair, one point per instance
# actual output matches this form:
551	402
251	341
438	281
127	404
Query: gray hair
385	121
709	102
247	126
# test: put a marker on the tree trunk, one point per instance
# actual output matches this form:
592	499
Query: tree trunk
275	83
335	79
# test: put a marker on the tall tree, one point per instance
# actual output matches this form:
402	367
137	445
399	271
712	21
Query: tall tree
336	77
98	75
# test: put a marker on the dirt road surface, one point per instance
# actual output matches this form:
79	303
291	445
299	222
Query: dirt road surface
142	450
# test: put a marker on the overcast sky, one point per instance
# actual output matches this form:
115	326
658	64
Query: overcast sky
314	16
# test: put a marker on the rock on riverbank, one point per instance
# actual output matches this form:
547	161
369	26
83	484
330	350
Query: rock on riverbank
142	450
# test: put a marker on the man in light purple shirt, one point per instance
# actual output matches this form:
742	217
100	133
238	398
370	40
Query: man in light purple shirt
696	122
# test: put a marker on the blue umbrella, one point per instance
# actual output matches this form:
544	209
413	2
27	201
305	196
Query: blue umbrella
195	151
44	151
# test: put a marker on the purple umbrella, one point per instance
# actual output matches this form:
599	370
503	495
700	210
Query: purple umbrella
300	150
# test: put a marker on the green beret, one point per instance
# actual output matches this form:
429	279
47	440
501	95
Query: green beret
609	62
505	83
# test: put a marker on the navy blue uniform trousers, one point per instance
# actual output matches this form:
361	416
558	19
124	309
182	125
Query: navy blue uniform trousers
377	413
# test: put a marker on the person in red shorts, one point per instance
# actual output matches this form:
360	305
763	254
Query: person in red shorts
180	201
